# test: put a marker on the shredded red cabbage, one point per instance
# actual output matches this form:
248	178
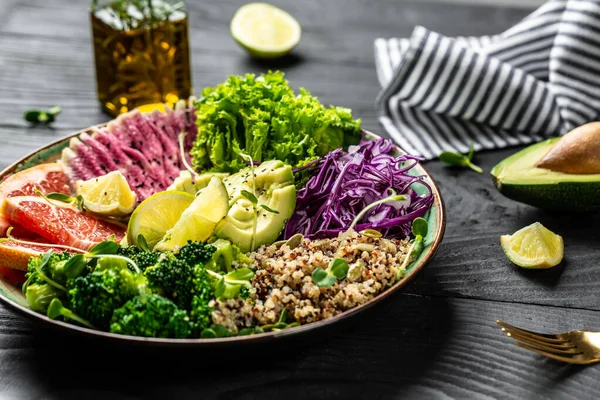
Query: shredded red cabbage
346	182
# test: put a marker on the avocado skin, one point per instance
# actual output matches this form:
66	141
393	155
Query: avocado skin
561	196
551	190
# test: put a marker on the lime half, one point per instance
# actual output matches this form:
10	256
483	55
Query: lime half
265	31
533	247
108	194
156	215
198	221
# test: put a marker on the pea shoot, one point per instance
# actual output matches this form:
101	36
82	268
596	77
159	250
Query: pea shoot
417	245
461	160
42	116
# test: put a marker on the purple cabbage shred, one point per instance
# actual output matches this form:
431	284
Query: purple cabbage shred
344	183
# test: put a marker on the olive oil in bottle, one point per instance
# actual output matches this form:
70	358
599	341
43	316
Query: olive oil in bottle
141	50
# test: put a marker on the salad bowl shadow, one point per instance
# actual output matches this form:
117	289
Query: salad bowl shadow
12	297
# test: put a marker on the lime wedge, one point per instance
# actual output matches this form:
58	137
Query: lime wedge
108	194
533	247
198	221
156	215
265	31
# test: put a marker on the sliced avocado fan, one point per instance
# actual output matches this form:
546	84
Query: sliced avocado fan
275	189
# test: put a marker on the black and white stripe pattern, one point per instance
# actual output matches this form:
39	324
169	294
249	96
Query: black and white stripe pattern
541	78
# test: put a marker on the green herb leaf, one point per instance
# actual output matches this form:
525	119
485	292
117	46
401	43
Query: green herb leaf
452	158
60	197
42	116
322	278
142	244
208	333
220	288
79	202
45	260
250	331
241	274
230	291
419	227
458	159
250	197
283	316
54	110
269	209
339	268
54	309
471	151
107	247
75	266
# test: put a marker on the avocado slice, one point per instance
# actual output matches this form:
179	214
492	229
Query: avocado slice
275	188
185	182
518	178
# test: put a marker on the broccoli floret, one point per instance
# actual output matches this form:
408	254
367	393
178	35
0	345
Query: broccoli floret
143	258
39	296
151	316
174	274
173	278
96	295
200	312
195	253
53	268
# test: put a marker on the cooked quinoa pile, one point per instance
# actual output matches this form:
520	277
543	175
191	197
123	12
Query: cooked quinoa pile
283	279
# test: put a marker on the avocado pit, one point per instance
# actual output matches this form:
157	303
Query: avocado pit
577	152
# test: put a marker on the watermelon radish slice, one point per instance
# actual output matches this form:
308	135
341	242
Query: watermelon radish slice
57	223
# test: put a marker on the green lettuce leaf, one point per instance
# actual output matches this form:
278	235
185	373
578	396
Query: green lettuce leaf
261	116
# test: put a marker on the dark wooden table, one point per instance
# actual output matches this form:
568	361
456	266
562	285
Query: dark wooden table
437	339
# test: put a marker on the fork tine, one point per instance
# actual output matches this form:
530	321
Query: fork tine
534	335
544	347
558	346
575	359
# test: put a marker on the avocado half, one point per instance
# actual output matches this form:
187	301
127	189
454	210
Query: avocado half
518	178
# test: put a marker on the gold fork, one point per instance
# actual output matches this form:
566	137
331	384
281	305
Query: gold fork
575	347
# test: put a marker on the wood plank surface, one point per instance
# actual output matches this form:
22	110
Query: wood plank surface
437	340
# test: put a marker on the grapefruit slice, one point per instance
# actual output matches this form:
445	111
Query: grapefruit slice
16	255
57	223
12	276
46	178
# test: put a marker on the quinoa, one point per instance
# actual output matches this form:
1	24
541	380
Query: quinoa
283	279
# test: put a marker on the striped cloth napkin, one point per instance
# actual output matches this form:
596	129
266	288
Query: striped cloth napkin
541	78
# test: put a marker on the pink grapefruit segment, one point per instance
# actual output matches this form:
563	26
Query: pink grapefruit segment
16	255
59	224
12	276
47	178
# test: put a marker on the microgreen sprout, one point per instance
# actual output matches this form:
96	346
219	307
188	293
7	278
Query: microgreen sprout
269	209
281	323
419	230
252	199
181	140
10	238
42	116
142	243
62	198
458	159
56	309
338	267
40	271
228	286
